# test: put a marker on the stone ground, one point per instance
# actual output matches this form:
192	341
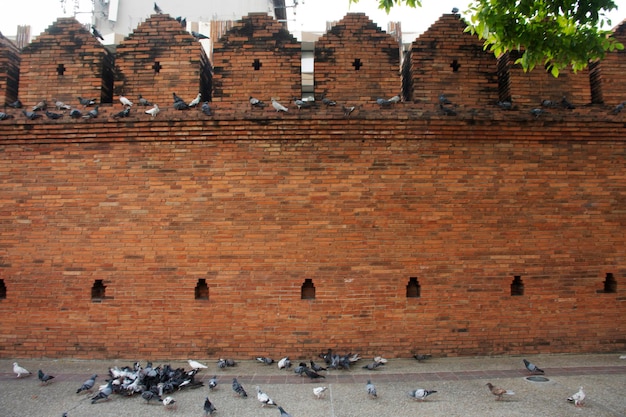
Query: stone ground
460	383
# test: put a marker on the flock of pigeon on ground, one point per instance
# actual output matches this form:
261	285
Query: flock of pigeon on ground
157	383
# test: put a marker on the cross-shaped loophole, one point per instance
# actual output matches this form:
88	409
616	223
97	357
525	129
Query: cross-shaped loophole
455	66
257	65
357	64
157	67
60	69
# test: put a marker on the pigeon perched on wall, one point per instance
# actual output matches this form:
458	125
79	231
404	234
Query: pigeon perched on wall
537	112
499	392
76	114
88	384
126	102
566	104
347	110
284	363
123	113
52	115
180	105
196	365
279	107
59	105
42	105
263	398
301	103
31	115
19	371
319	392
371	389
92	114
505	105
209	408
96	33
44	377
578	399
421	394
532	368
86	102
176	98
328	102
265	360
283	413
255	102
447	110
198	35
153	111
157	9
142	101
5	116
238	388
17	104
195	101
444	100
617	109
104	393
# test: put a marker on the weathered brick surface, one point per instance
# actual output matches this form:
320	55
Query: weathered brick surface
611	71
160	58
9	70
357	205
356	62
86	66
257	57
447	60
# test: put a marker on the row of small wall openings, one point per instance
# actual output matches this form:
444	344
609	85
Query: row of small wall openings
307	290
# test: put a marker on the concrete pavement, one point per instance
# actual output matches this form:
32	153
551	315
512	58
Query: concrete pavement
460	383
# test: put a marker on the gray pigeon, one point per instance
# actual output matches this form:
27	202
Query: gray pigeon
149	395
123	113
537	112
16	104
617	109
42	105
301	103
447	110
328	102
176	98
53	116
371	389
213	382
206	109
238	388
86	102
372	366
566	104
255	102
283	413
180	105
88	384
209	408
157	9
44	377
265	360
421	394
31	115
104	393
92	114
444	100
142	101
5	116
348	110
198	35
421	357
505	105
532	368
76	114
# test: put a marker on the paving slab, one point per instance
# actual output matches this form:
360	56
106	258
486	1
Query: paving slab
459	382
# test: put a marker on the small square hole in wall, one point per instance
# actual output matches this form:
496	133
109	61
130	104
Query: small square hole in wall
610	284
3	290
308	290
517	286
202	290
98	291
413	288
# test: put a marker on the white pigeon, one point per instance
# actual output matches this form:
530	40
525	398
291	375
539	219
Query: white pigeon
263	398
153	111
196	100
284	363
168	402
126	102
196	365
279	107
19	371
421	394
319	392
622	357
380	359
578	399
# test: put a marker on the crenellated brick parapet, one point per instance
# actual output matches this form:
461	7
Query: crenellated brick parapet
9	70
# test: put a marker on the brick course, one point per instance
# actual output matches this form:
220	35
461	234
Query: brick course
9	70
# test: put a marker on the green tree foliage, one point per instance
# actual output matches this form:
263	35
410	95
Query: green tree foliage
550	33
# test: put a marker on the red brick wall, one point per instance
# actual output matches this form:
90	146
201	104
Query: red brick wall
612	69
85	61
181	63
445	59
354	38
261	39
9	70
357	205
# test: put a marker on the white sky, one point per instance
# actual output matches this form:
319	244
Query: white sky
311	15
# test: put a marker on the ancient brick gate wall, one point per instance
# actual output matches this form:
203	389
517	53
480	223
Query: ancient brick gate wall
253	208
